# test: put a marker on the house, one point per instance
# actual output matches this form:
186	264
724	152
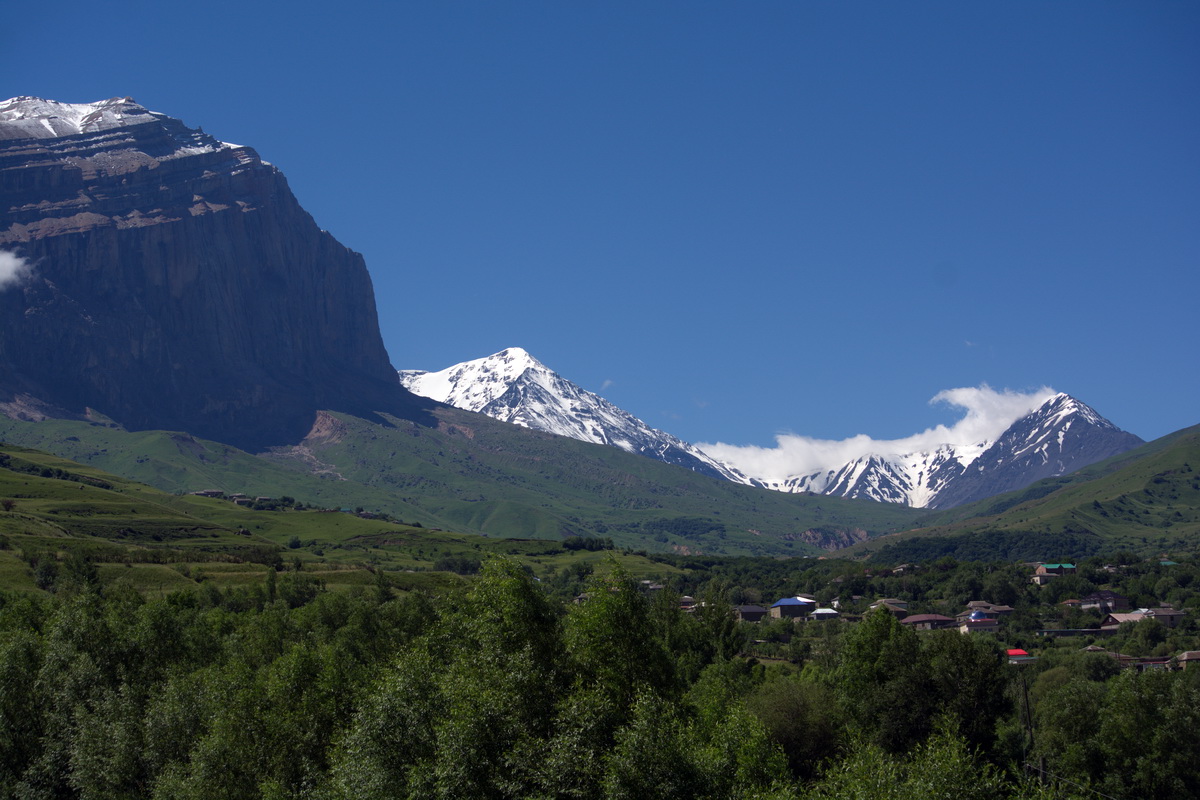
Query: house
897	608
928	622
1166	616
823	613
1018	656
981	609
1121	659
208	493
1044	573
791	607
1104	601
1169	617
979	622
1188	658
1116	619
749	613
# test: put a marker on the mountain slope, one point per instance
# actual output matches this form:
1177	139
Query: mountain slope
1059	436
174	283
177	286
513	386
1145	500
473	474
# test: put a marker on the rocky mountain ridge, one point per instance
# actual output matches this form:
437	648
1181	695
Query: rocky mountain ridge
1060	436
174	283
513	386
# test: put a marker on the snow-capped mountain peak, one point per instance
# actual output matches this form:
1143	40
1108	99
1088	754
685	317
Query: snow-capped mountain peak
473	385
513	386
1059	436
36	118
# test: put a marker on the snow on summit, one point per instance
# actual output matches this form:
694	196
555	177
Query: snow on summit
472	385
513	386
36	118
1004	440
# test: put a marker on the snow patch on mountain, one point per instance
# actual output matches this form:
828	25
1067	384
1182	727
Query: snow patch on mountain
37	118
1059	436
1004	441
513	386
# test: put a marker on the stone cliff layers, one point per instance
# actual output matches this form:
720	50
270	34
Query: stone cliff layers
176	283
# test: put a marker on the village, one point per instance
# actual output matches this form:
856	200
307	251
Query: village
1101	621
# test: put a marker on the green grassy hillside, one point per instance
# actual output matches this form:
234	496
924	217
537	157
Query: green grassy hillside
476	475
1146	500
58	515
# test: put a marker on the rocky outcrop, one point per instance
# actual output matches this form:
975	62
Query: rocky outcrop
175	283
831	538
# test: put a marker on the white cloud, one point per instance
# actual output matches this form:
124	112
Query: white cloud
988	413
13	269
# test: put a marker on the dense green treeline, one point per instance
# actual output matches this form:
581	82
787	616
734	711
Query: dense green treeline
282	690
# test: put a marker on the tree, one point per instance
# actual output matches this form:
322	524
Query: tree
612	643
21	712
651	756
467	710
802	718
884	683
971	681
942	768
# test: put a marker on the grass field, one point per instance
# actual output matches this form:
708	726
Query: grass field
59	512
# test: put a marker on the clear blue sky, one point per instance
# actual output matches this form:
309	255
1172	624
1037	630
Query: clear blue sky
731	219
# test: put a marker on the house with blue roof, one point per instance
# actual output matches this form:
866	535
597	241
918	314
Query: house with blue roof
792	607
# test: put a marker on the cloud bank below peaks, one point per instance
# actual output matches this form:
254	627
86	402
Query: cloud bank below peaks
987	414
13	269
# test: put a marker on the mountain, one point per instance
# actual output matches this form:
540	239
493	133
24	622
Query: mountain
180	319
513	386
174	282
1058	437
1144	500
167	309
473	474
912	479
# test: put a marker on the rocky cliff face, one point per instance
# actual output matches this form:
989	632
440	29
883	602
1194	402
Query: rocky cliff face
174	282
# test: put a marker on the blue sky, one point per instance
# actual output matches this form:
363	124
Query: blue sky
731	219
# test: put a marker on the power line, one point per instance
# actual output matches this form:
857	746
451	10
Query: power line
1061	779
